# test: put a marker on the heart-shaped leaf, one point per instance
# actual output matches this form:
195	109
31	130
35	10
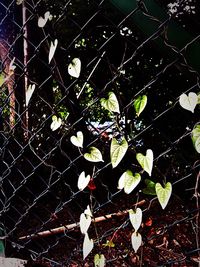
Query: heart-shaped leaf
19	2
83	181
56	123
117	151
146	162
188	102
150	189
77	140
29	93
52	49
94	155
88	211
128	181
111	103
99	260
140	104
88	245
85	221
135	218
42	21
196	137
163	194
136	240
74	68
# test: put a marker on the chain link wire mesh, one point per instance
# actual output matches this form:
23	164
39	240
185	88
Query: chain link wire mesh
133	48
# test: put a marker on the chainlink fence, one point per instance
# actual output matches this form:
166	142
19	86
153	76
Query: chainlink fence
60	62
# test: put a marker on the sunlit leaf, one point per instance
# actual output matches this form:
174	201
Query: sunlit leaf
146	162
88	245
56	123
99	260
111	103
94	155
88	211
188	102
135	217
128	181
29	92
19	2
42	21
77	140
52	49
83	181
136	240
85	221
163	193
196	137
150	187
12	262
117	151
140	104
109	243
2	79
74	68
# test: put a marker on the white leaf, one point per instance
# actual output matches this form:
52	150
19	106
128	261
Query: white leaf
74	68
146	162
88	245
77	140
29	92
163	193
135	218
85	221
99	260
128	181
188	102
88	211
42	21
83	181
136	240
52	49
56	123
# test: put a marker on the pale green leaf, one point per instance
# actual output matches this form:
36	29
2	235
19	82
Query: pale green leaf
136	240
88	245
198	95
74	68
117	151
196	137
111	103
140	104
52	49
188	102
146	162
2	79
94	155
77	140
135	217
99	260
19	2
128	181
83	181
163	193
